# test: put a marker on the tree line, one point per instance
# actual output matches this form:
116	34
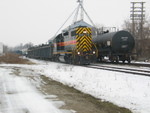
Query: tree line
142	41
19	47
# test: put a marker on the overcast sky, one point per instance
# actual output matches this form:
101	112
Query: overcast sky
36	21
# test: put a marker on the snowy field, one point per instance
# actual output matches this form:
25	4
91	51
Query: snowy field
125	90
18	95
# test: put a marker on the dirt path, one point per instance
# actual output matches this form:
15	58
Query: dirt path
78	101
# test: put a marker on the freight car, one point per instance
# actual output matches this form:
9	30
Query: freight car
43	51
73	45
117	46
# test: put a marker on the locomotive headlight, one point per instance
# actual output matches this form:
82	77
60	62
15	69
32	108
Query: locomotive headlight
78	53
85	32
94	52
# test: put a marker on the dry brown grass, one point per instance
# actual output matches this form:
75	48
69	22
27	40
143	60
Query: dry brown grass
11	58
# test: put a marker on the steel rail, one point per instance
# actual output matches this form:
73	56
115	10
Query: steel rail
119	69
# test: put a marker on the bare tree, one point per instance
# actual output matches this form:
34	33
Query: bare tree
142	47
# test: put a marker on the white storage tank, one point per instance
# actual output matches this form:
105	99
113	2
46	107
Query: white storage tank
1	48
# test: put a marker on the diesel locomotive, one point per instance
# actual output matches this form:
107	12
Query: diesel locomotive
73	45
116	46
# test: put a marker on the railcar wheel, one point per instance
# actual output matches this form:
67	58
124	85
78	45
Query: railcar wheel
117	59
100	59
123	61
69	59
129	59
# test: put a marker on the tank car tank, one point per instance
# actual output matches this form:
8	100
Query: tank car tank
117	46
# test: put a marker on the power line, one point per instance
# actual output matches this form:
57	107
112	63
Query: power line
66	21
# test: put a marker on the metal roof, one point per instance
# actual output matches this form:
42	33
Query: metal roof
78	24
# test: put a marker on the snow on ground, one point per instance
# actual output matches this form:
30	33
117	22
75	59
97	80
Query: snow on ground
126	90
142	62
17	95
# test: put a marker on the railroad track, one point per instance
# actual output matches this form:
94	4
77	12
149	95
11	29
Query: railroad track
131	64
130	70
140	64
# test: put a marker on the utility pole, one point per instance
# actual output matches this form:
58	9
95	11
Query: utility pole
137	17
